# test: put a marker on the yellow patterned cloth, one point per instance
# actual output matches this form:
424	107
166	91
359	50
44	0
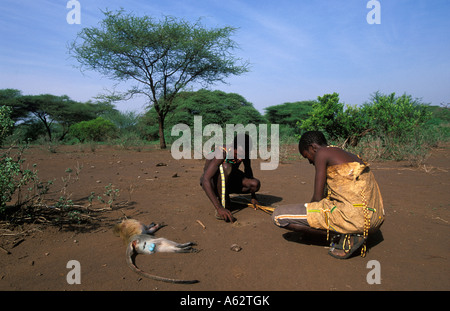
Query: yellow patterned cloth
353	204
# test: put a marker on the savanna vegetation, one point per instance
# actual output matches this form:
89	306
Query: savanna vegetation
386	126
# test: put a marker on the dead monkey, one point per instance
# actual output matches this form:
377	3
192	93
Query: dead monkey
145	244
140	241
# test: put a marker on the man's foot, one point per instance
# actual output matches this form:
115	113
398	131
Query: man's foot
347	245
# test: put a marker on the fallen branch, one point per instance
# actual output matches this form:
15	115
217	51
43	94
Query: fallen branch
201	224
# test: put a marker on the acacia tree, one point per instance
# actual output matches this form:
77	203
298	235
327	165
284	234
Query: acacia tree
161	56
51	109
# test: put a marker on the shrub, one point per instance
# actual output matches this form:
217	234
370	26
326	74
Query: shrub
12	176
6	123
395	117
397	127
94	130
326	116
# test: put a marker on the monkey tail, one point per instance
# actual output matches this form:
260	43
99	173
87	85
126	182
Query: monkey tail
130	258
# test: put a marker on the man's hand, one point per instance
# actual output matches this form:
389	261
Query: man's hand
225	214
254	203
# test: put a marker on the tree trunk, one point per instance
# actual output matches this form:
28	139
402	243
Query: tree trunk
49	130
162	140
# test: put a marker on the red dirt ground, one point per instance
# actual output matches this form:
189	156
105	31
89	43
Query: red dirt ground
412	248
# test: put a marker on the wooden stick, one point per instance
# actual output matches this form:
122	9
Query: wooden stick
201	224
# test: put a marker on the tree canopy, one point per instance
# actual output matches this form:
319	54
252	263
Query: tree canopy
289	113
50	110
161	56
215	107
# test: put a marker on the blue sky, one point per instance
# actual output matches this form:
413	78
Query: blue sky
298	49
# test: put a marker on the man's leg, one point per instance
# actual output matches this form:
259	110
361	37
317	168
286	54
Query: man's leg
250	185
238	183
294	217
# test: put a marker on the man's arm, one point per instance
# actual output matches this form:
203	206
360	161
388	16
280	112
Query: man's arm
320	163
248	172
208	187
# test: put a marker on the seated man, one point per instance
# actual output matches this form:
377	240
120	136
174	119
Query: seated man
224	165
346	198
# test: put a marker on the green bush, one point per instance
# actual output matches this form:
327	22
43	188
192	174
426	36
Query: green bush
94	130
384	116
28	131
395	117
398	127
326	116
6	123
12	176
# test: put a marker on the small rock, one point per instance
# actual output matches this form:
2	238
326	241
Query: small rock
236	248
175	175
161	164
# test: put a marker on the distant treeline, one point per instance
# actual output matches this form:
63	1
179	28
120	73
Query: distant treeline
386	120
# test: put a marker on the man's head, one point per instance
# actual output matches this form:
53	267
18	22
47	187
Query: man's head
309	142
